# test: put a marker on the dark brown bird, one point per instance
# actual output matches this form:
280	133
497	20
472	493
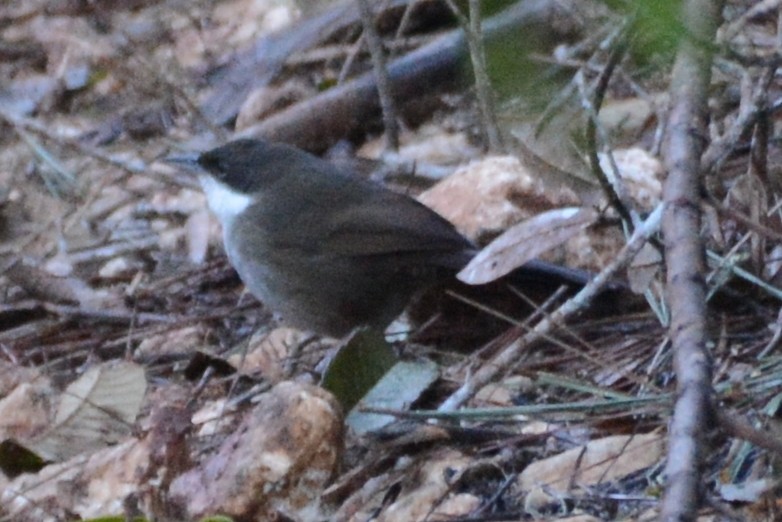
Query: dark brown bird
327	250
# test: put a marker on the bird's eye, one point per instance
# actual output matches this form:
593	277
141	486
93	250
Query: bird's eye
213	165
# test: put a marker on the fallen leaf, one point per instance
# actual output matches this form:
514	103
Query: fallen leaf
269	353
526	241
96	410
358	366
601	460
432	486
399	387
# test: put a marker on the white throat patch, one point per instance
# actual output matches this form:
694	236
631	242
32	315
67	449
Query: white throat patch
225	202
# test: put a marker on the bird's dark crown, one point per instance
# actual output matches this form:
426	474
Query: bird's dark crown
248	165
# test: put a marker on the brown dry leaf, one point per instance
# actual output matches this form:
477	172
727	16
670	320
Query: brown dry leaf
181	340
652	515
25	96
122	266
772	265
25	411
268	353
186	201
111	475
494	394
526	241
244	20
456	506
59	265
96	410
536	427
749	491
91	486
232	25
107	200
432	488
433	144
601	460
12	375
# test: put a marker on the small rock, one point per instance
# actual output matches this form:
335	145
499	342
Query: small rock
278	462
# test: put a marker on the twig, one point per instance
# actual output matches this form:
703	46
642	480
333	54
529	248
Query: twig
738	427
773	343
384	87
491	501
113	316
65	177
614	192
473	33
747	276
432	68
725	210
19	122
507	357
338	52
114	249
350	56
719	149
406	16
757	10
493	413
565	94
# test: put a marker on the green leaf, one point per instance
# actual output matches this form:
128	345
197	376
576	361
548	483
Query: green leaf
358	365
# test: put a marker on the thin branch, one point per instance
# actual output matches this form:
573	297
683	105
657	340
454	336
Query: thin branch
473	33
384	86
612	191
507	357
719	149
685	256
20	122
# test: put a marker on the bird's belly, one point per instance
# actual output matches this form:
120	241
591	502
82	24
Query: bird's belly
256	274
324	295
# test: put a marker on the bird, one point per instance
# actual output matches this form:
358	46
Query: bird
324	248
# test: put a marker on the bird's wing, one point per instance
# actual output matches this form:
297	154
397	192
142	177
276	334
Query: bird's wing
393	224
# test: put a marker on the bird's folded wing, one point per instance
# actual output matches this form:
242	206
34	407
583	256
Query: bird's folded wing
397	226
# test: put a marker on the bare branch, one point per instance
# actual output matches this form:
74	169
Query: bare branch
685	256
384	86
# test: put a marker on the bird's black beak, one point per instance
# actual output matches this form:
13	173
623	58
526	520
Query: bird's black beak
186	161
